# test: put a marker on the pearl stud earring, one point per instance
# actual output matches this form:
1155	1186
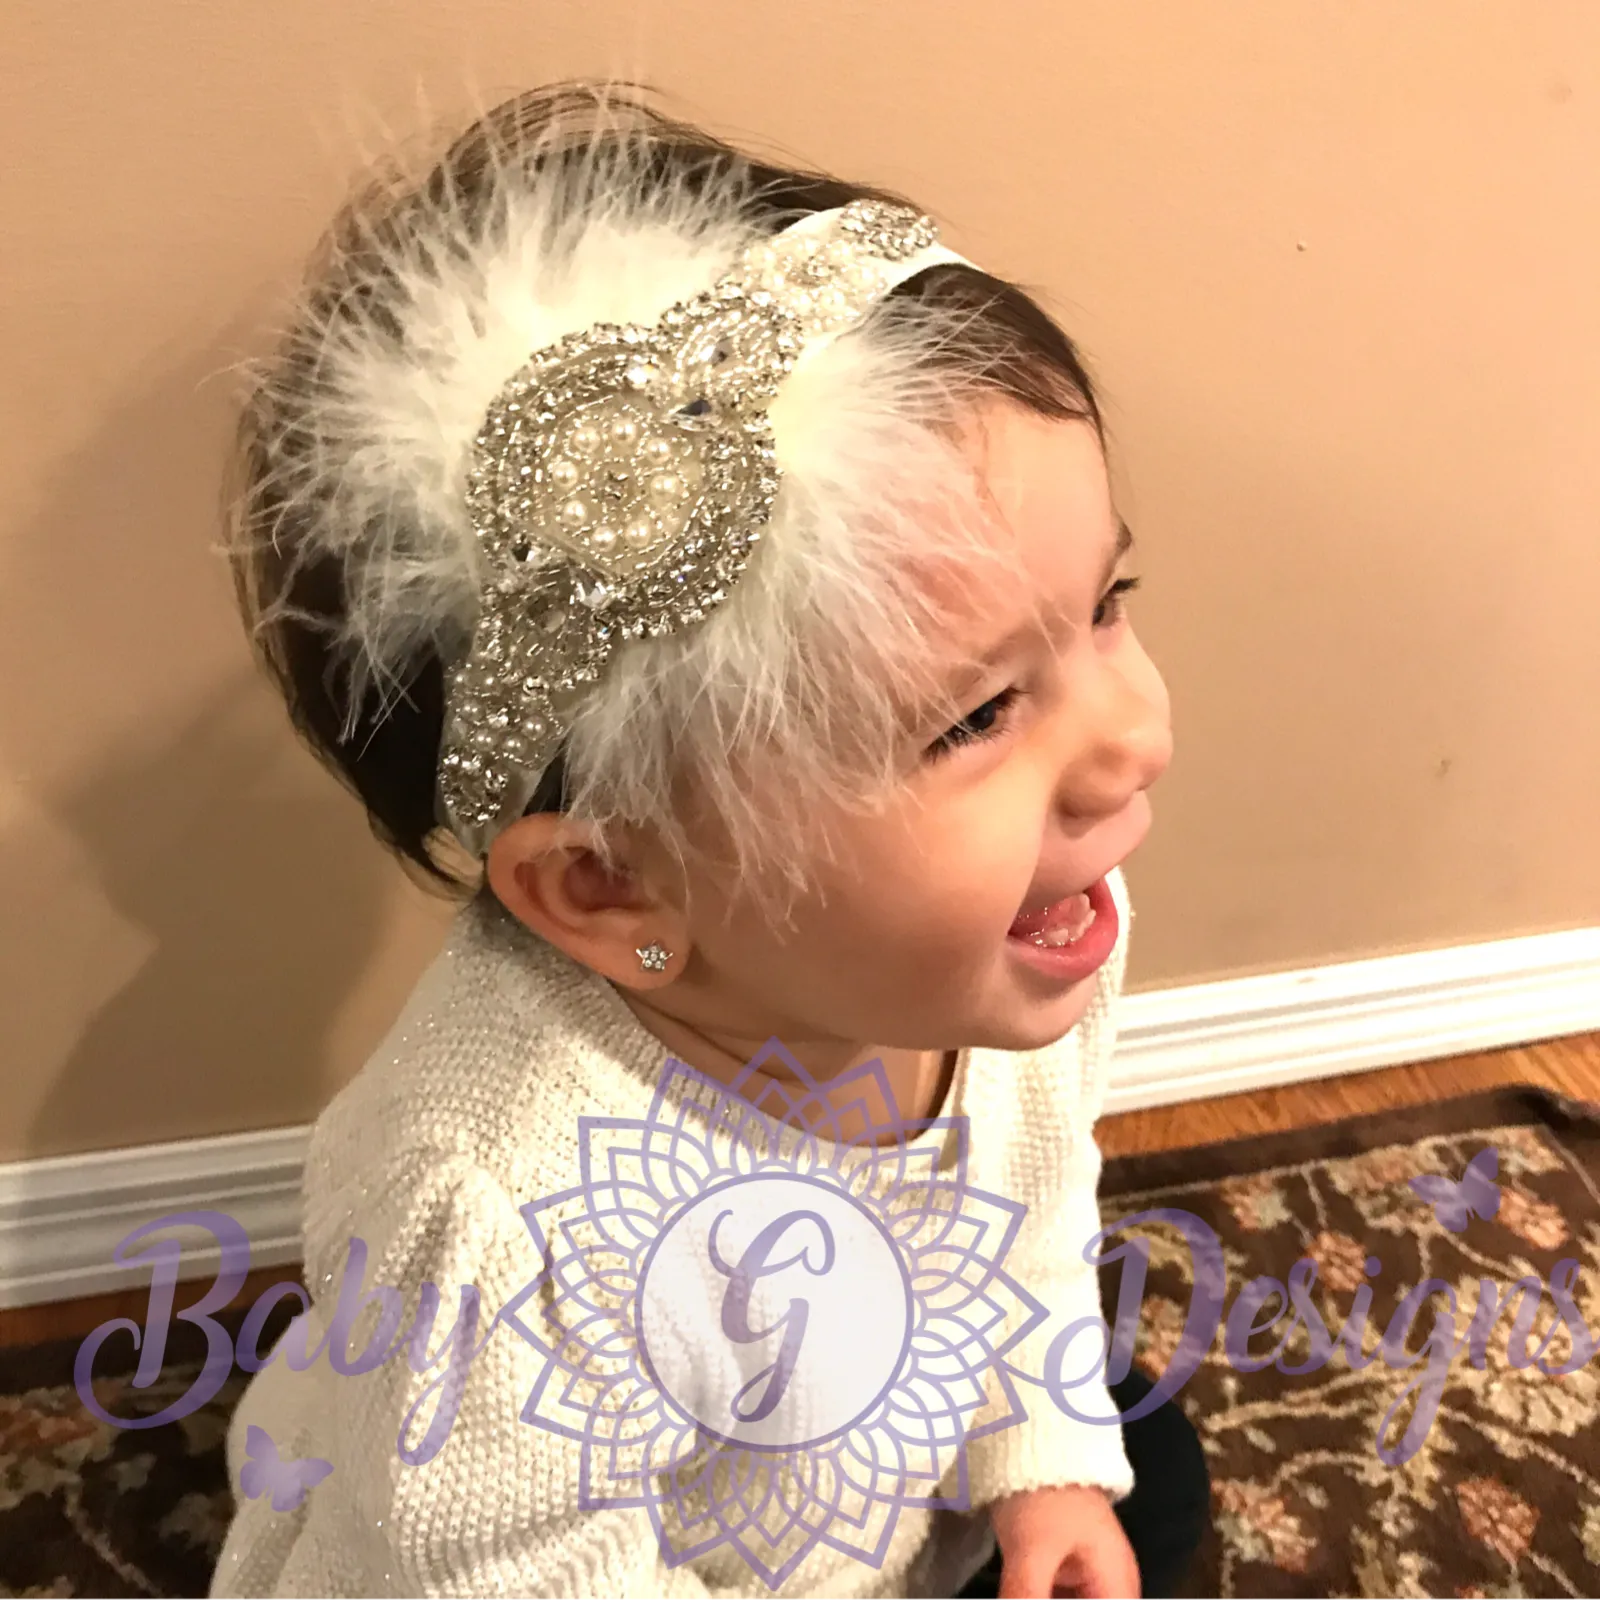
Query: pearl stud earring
653	958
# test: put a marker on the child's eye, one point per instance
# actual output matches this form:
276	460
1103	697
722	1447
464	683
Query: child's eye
990	719
973	728
1123	586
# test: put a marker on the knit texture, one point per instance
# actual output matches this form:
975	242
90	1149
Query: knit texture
469	1108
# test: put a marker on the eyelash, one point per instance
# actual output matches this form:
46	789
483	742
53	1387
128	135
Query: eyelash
947	743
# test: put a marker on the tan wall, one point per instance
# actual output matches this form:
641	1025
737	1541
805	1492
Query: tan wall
1336	265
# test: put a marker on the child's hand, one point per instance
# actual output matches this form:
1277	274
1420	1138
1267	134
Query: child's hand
1063	1542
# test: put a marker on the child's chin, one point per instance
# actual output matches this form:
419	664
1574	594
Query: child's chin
1036	1023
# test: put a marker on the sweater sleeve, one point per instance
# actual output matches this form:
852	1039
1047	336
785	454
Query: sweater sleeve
1056	1154
439	1487
1051	1447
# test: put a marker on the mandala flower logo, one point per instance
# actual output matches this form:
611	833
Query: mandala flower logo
772	1319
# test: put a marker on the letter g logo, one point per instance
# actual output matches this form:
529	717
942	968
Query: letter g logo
753	1265
773	1311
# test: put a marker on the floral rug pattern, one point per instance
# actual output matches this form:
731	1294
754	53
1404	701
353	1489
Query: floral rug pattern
1501	1497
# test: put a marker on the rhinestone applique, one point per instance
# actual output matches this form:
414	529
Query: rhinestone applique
620	481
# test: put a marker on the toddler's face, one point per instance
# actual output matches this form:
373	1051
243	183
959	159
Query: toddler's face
901	940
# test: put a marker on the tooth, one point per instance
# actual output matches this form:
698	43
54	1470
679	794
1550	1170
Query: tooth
1054	938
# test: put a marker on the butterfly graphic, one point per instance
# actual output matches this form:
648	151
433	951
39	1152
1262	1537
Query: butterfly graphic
267	1473
1476	1195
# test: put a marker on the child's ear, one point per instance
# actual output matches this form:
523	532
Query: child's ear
545	871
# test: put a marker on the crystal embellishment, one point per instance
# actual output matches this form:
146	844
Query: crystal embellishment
621	480
653	957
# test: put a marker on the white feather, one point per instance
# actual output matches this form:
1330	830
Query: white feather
789	702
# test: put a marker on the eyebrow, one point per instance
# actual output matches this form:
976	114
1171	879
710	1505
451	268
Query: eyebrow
1121	544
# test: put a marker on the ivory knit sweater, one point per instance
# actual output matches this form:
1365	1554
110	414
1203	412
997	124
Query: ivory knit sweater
469	1108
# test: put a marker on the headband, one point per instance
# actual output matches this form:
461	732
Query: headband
621	478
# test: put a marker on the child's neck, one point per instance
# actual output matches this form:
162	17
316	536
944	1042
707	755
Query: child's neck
918	1080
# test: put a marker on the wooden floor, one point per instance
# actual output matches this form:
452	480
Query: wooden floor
1570	1065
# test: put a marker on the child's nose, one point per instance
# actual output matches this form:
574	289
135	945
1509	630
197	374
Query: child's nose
1120	742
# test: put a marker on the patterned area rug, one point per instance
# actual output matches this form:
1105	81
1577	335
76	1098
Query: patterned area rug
88	1509
1501	1496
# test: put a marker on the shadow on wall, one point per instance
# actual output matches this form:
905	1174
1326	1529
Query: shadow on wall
248	888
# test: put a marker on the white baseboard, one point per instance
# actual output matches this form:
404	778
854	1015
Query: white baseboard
1210	1039
61	1219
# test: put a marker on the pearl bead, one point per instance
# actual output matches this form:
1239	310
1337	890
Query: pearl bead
640	532
584	439
656	450
532	728
666	488
575	513
624	430
603	538
512	748
563	473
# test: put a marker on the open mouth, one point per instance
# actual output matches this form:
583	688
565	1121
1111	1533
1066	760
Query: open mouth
1062	923
1080	923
